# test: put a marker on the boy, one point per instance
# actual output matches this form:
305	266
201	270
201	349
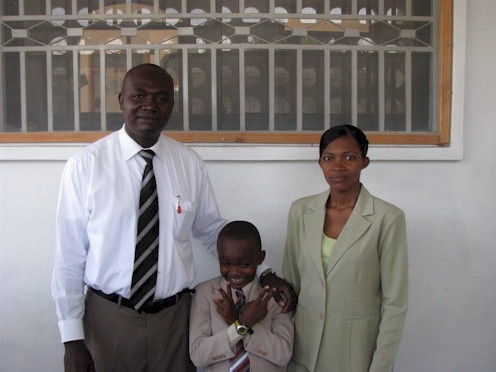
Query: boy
227	332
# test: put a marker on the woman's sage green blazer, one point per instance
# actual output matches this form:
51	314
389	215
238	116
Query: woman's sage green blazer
349	317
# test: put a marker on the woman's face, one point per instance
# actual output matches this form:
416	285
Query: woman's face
342	161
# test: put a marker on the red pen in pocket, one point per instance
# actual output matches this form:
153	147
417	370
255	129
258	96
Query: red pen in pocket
178	204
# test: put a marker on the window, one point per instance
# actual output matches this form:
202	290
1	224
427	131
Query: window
252	71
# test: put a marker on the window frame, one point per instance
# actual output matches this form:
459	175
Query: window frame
442	138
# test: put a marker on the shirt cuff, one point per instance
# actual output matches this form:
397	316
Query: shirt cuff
71	330
232	335
261	268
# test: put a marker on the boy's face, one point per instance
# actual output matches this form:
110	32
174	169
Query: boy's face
238	261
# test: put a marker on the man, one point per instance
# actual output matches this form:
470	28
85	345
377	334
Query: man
127	321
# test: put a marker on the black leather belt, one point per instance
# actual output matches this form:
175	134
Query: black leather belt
152	308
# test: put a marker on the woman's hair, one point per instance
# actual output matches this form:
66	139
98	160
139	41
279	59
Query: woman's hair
344	130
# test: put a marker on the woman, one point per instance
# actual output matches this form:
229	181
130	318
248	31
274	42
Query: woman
346	255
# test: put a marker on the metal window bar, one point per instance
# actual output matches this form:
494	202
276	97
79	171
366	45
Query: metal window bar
103	101
49	89
185	90
382	100
242	90
272	90
22	64
434	89
408	91
75	88
2	124
327	87
213	89
354	86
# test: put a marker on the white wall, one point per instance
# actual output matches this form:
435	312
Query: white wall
450	208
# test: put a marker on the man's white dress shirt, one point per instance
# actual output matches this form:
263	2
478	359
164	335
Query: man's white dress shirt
97	216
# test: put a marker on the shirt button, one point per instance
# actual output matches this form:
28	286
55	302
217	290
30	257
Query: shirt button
322	316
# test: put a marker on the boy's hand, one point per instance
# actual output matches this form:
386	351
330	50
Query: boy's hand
225	305
256	310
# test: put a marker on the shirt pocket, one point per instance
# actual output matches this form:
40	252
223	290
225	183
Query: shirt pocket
184	217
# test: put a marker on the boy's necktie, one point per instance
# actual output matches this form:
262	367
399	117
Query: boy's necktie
240	362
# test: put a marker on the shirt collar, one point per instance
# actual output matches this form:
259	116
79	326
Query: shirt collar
246	290
129	147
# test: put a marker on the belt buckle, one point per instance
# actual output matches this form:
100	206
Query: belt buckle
160	305
151	309
176	299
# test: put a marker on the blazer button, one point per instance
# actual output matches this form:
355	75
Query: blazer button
322	316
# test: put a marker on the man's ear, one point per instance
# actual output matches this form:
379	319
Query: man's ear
365	162
120	100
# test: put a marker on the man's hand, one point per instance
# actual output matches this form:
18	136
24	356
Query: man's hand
256	310
285	294
76	356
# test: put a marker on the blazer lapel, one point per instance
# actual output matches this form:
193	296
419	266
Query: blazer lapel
354	228
255	290
313	224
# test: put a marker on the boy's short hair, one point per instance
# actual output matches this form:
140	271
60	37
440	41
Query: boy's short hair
241	230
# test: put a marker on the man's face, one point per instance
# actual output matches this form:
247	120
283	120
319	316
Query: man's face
146	101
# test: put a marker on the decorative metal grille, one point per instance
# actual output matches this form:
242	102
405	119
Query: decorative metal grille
247	65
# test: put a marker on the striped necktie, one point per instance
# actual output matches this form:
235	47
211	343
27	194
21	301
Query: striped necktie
146	255
240	362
